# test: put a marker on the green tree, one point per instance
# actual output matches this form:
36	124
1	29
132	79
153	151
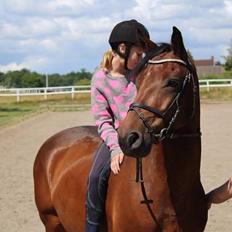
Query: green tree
1	78
228	58
13	79
27	79
22	79
31	80
55	80
85	74
82	82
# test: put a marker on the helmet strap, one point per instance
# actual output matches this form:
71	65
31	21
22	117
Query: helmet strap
126	55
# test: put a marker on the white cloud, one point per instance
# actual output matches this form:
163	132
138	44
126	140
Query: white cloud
39	26
72	4
228	6
49	8
32	63
9	30
79	26
19	6
27	28
152	11
11	67
48	44
27	42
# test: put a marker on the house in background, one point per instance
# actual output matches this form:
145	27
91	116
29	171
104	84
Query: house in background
208	67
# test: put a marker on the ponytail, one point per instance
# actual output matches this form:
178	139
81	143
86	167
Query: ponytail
106	63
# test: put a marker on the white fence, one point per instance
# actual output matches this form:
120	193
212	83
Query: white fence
72	90
19	92
215	83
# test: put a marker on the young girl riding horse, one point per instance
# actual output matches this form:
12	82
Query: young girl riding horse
112	92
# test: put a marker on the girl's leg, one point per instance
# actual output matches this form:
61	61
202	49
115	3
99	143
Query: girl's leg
97	188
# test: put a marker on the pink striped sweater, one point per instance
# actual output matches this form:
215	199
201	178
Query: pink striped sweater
110	100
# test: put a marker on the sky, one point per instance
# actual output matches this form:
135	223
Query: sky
61	36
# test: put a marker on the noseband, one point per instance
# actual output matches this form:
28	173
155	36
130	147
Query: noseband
165	132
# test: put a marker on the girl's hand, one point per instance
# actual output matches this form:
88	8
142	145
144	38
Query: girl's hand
115	163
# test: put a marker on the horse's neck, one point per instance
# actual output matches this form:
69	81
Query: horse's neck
173	167
192	124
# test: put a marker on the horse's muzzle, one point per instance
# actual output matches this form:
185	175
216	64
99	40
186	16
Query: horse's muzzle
135	144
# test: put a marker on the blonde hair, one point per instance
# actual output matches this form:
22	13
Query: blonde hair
106	63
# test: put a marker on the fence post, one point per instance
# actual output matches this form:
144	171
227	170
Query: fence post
72	92
45	94
18	95
207	84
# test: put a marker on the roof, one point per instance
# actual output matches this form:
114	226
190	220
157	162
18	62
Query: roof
205	62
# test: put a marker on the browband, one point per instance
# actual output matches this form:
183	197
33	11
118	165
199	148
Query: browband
166	60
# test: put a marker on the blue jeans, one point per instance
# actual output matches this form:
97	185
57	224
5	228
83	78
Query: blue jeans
97	186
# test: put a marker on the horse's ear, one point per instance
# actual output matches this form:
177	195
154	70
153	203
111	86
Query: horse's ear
178	44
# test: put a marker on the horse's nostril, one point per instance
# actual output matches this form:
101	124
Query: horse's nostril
134	140
132	137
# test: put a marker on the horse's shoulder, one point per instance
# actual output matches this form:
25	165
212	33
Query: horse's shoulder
66	148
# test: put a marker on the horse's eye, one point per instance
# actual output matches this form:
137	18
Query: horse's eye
172	83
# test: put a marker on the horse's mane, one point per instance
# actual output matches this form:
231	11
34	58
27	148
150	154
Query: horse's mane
158	49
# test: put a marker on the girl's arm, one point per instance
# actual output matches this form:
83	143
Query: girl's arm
104	121
220	194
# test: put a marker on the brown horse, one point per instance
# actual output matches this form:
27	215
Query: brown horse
162	130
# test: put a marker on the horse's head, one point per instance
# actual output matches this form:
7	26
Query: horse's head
167	92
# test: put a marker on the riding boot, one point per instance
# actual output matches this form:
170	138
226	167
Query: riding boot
91	228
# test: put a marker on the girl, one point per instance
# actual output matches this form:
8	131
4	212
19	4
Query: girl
112	92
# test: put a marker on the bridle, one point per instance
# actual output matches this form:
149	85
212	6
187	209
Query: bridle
165	132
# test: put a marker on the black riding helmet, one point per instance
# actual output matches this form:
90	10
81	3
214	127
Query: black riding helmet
129	32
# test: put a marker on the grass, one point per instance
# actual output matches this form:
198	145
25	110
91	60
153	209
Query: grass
82	98
218	94
13	112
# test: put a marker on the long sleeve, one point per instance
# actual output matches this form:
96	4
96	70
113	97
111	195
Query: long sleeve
110	100
104	120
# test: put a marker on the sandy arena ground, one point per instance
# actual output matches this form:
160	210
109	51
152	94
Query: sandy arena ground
20	143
